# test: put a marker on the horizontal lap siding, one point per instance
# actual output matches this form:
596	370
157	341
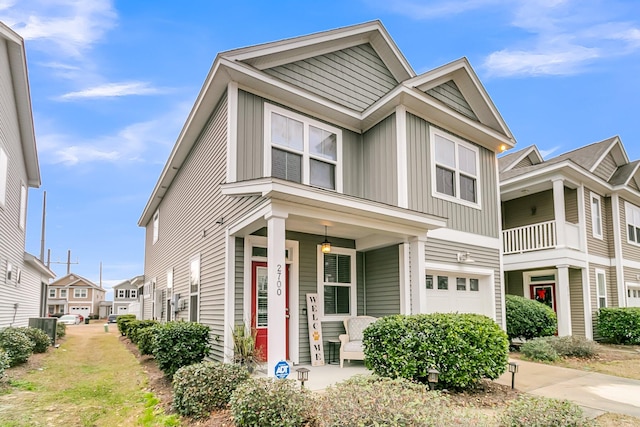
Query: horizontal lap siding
382	277
380	166
599	247
630	251
606	168
576	300
571	205
514	283
519	212
355	77
450	95
459	217
523	163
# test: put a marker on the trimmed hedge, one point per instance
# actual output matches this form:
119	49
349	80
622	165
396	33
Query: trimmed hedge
41	341
539	349
619	325
528	319
200	388
179	344
146	339
61	330
17	345
4	362
135	326
124	321
464	347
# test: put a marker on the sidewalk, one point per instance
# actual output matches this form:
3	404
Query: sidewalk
595	393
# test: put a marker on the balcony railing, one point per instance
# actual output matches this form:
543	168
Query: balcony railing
529	238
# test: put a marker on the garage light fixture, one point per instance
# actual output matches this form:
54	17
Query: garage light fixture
465	257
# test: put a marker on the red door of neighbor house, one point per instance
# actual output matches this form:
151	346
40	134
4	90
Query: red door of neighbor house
260	305
544	293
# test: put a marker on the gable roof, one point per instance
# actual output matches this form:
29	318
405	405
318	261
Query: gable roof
131	282
75	281
528	156
20	79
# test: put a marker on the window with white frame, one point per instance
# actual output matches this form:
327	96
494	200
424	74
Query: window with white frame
300	149
170	278
194	287
52	293
23	206
4	173
601	288
337	281
132	293
156	225
596	216
455	169
632	214
120	293
146	290
79	293
63	293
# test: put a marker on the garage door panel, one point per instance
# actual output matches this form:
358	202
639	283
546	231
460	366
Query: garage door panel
458	293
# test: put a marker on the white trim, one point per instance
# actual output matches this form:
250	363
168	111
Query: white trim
630	210
353	286
503	290
22	221
232	131
156	226
229	295
457	236
597	272
596	259
433	132
526	281
401	147
586	300
404	255
592	198
305	153
617	249
198	293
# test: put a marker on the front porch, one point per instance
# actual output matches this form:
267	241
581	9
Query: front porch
321	377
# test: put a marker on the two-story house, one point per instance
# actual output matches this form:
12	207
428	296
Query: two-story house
73	294
323	165
23	277
126	293
572	230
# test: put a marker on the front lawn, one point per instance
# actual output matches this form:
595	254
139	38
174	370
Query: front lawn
618	360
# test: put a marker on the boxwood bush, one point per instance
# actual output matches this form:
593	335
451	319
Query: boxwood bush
619	325
179	344
202	387
528	319
61	330
41	341
267	402
123	321
135	326
528	411
463	347
17	345
146	339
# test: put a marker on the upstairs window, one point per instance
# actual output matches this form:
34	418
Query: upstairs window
79	293
194	288
23	206
52	293
63	293
596	216
156	225
455	169
301	149
633	223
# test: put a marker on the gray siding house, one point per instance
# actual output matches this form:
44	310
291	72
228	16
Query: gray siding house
23	277
571	230
329	137
125	294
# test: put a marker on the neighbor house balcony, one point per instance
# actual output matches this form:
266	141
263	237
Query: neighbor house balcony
540	236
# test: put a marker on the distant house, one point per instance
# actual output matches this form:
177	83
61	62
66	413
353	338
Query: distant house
324	166
23	277
125	294
571	230
74	294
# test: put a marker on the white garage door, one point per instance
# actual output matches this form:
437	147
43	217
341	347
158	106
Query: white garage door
451	293
122	309
83	311
633	296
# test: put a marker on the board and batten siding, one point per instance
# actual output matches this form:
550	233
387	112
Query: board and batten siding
630	251
354	77
380	166
250	140
382	275
606	168
459	217
449	94
576	301
445	252
187	227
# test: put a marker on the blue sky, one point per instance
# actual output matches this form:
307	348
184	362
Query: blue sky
112	83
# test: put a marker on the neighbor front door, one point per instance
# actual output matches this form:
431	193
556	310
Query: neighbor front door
544	293
260	306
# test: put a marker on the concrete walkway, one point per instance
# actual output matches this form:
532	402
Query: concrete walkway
595	393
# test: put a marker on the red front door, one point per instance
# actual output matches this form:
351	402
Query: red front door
544	293
260	304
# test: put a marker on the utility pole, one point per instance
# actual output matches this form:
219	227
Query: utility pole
68	262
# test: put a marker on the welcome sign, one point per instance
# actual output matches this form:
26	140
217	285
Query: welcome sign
315	331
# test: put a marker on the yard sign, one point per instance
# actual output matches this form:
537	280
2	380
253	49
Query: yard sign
315	331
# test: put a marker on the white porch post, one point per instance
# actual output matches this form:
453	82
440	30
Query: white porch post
276	292
418	264
563	303
586	300
405	278
559	212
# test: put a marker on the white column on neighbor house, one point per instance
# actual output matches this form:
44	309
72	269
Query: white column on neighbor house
563	302
418	265
276	292
586	301
559	212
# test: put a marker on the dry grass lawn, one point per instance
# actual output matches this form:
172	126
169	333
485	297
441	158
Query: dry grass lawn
618	360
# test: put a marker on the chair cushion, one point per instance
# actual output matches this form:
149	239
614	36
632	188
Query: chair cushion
357	325
353	346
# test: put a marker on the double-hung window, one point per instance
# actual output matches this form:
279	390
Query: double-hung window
601	288
79	293
337	279
633	223
52	293
194	287
455	169
156	225
596	216
300	149
63	293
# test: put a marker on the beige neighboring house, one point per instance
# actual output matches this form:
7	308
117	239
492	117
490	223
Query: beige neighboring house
73	294
125	294
571	231
23	277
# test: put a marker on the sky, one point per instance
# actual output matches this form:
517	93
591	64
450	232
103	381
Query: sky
112	83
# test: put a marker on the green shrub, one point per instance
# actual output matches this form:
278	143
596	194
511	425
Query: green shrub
573	346
266	402
530	411
179	344
135	326
528	318
17	345
202	387
378	401
61	330
146	339
41	341
619	325
123	321
539	349
4	362
463	347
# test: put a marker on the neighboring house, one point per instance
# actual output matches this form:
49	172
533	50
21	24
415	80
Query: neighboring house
126	293
22	276
329	137
105	308
73	294
571	231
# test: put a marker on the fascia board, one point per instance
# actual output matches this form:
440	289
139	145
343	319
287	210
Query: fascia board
566	169
39	265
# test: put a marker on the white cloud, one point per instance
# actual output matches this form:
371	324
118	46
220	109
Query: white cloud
433	9
535	63
548	152
111	90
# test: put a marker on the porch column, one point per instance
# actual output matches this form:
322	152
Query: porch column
586	300
563	303
418	265
559	212
276	291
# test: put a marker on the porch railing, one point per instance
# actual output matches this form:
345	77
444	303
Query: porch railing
529	238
